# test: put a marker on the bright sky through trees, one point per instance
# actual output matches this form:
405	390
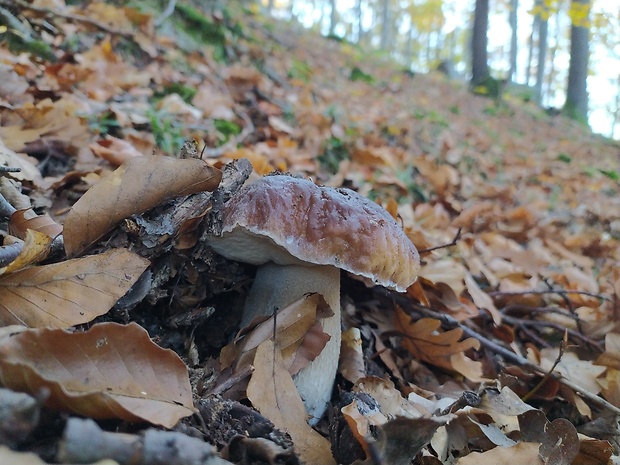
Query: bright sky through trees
604	63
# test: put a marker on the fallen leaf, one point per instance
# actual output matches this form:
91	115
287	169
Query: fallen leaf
109	371
114	150
298	334
68	293
23	220
423	340
522	453
273	393
139	184
36	248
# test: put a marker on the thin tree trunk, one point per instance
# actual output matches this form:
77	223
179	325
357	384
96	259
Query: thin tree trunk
385	24
530	55
360	25
479	41
512	20
333	17
616	113
549	91
576	104
543	28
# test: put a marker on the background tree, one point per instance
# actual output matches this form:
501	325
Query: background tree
576	105
513	22
479	42
542	11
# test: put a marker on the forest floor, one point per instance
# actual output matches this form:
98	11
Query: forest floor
509	342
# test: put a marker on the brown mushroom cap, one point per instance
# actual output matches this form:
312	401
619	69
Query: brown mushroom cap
289	220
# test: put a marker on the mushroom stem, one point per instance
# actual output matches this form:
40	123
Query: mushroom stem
277	286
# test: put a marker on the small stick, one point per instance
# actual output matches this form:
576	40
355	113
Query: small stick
443	246
9	169
518	359
550	291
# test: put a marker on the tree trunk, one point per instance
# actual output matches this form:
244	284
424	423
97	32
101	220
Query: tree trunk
512	20
385	24
333	17
530	55
360	26
576	105
543	28
479	40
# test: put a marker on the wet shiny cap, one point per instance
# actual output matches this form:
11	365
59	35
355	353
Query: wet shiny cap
290	220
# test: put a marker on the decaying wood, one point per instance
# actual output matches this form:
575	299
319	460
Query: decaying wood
84	442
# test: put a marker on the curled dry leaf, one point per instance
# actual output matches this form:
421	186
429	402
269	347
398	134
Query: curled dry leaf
109	371
68	293
137	185
297	332
272	391
23	220
114	150
35	249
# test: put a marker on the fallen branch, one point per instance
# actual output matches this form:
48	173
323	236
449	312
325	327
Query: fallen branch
84	442
550	291
515	358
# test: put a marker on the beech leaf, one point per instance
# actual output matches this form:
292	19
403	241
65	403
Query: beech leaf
68	293
272	391
137	185
109	371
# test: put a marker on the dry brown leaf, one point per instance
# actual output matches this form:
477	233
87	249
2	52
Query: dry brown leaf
581	372
114	150
272	391
139	184
109	371
522	453
297	333
482	299
425	343
23	220
390	400
351	364
36	248
68	293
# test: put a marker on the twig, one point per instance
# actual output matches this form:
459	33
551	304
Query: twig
547	375
71	17
232	143
515	358
550	324
6	209
9	169
550	291
166	13
443	246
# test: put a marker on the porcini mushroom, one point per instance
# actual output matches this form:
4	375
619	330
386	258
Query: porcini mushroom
300	235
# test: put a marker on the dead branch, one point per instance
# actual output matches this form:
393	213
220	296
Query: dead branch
550	291
522	323
84	442
457	236
513	357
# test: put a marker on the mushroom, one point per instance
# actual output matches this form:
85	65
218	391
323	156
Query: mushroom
300	235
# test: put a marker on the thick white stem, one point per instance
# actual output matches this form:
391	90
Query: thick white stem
277	286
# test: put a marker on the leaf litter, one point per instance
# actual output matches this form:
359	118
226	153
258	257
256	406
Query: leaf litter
471	359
